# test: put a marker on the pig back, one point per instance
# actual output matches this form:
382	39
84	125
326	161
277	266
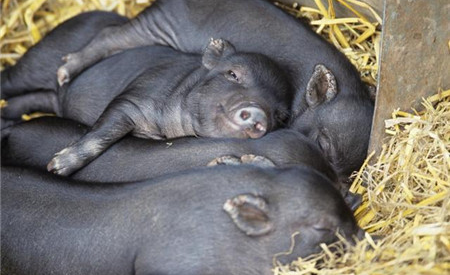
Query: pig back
90	93
165	224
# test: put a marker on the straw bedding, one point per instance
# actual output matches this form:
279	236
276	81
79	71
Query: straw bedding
406	197
406	200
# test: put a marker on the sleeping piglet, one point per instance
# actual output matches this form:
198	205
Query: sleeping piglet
220	220
156	92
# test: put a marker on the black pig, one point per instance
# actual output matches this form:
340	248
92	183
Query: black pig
225	220
333	108
133	159
224	93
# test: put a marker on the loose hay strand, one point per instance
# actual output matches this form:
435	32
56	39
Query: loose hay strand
356	37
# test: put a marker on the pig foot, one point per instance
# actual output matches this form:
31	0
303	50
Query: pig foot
245	159
63	76
73	63
65	162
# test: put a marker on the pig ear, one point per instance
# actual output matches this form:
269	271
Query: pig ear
321	87
216	49
250	214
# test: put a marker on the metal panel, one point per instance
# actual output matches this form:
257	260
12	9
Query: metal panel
415	58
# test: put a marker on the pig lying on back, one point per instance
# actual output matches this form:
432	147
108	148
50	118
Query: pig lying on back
225	220
335	112
224	93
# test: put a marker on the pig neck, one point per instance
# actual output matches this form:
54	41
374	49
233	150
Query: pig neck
177	119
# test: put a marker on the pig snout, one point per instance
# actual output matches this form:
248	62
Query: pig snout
252	119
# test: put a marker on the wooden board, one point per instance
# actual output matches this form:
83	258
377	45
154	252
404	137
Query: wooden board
415	58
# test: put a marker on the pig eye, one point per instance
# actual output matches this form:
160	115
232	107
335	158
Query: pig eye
323	230
320	227
324	227
232	75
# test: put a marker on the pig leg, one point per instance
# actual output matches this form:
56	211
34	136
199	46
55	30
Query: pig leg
109	41
45	101
36	69
19	79
112	125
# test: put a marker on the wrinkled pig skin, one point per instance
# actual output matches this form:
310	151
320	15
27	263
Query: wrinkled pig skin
221	220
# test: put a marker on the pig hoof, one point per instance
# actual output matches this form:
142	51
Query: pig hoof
64	163
66	58
225	160
218	46
63	75
216	43
257	160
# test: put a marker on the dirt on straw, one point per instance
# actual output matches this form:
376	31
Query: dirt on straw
405	193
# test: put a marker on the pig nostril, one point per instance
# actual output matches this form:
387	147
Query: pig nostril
245	115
